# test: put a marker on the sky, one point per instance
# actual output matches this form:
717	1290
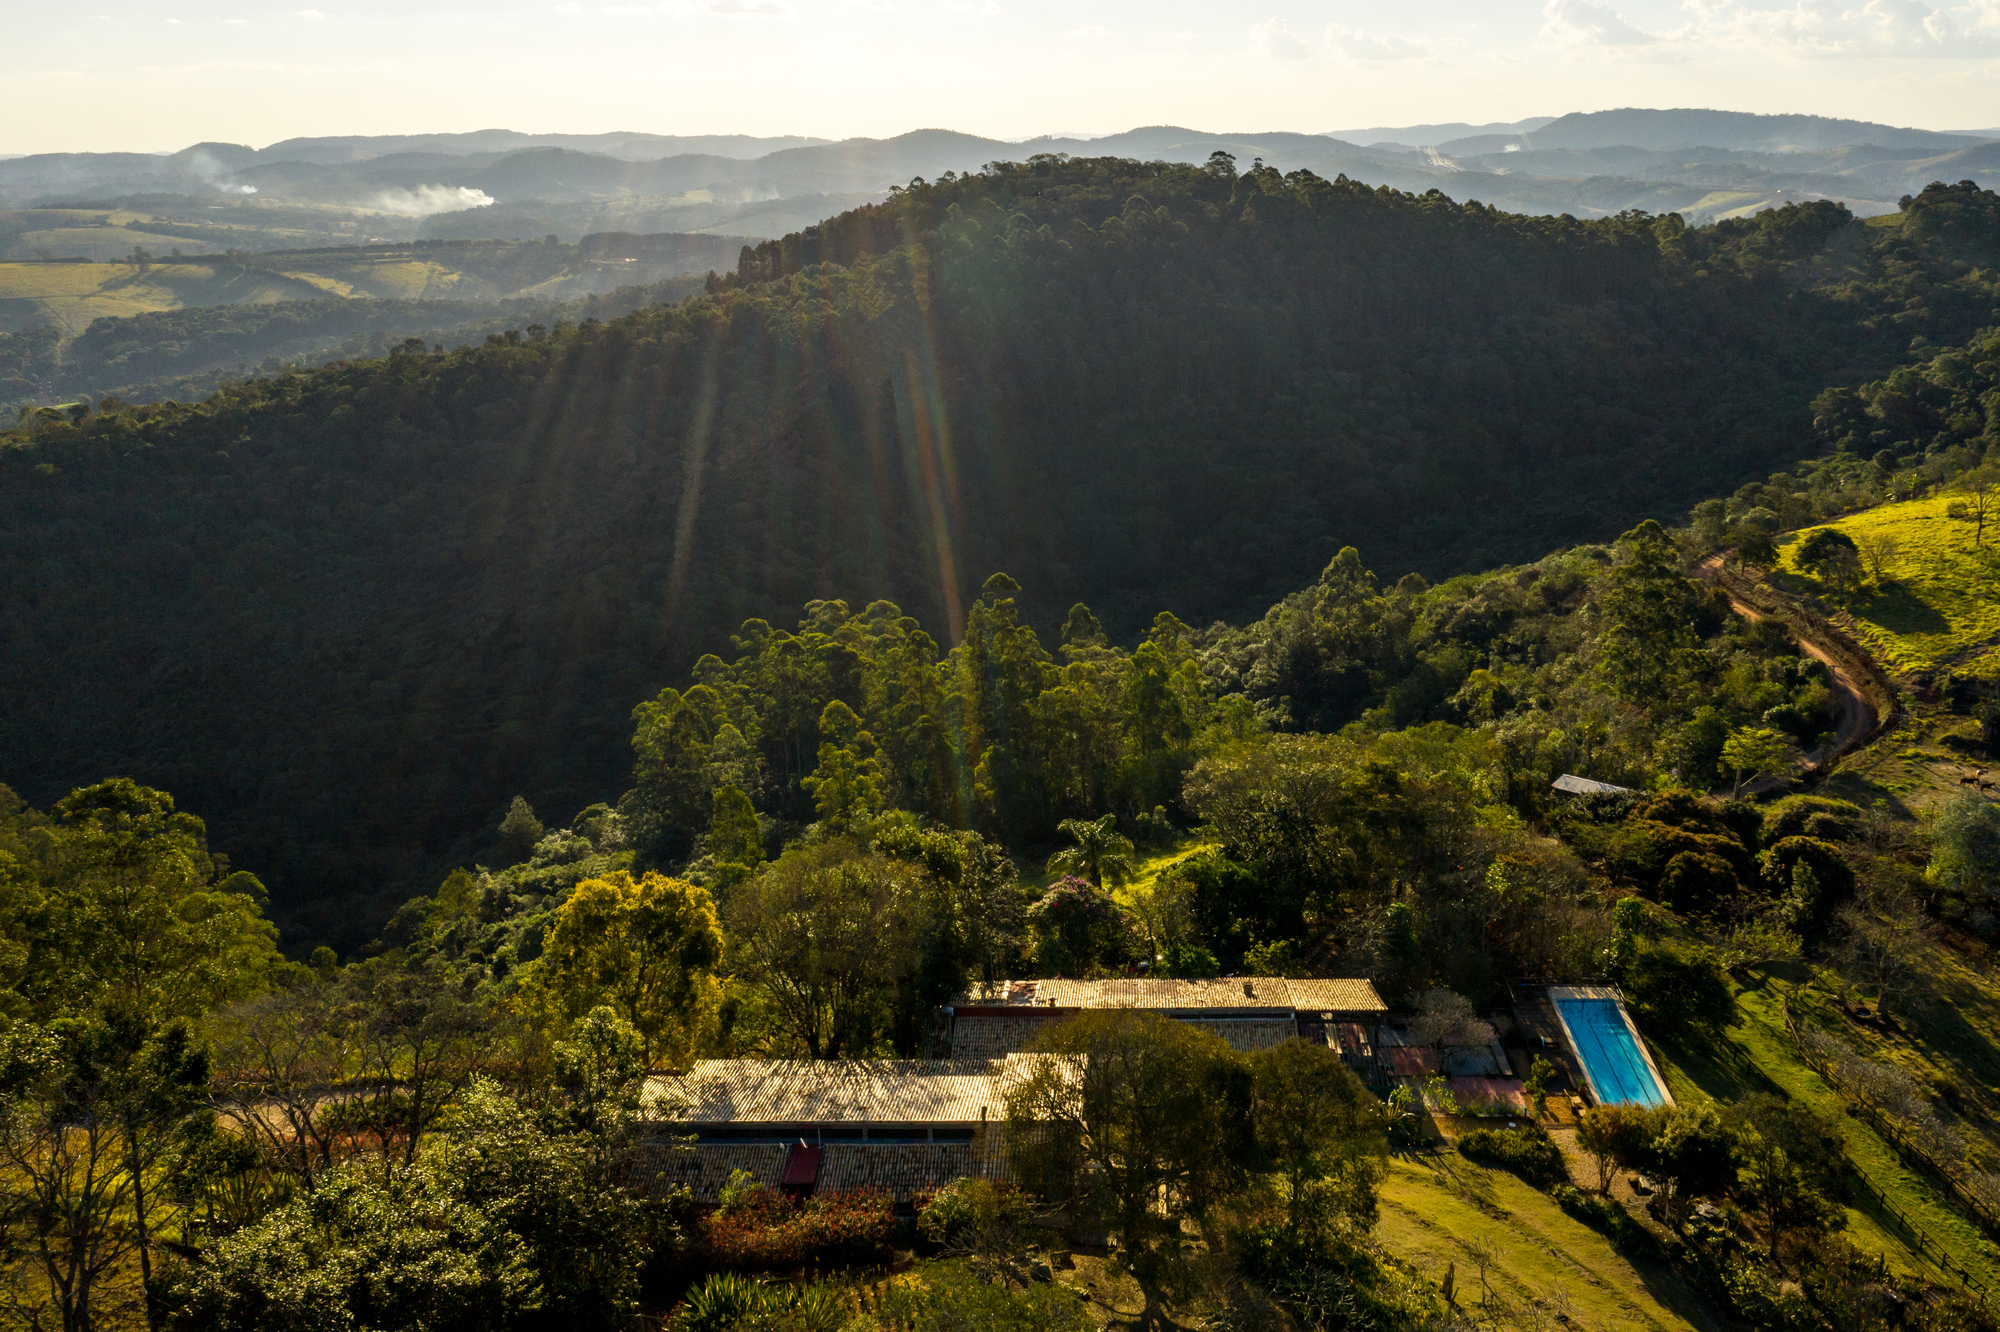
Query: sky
108	75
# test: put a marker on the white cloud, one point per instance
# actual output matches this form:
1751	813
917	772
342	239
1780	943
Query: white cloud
236	23
1590	23
1094	30
1358	45
312	14
762	7
1277	39
1827	28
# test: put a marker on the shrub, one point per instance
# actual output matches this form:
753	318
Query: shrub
1830	871
966	1205
1967	861
1608	1219
767	1232
727	1301
1671	993
1078	929
1329	1284
948	1297
1696	882
1528	1151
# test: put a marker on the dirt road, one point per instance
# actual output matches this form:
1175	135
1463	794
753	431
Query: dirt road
1856	718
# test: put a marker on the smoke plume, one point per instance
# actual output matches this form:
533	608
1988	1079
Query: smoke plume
428	199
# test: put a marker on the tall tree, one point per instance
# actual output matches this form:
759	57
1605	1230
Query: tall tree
1141	1122
647	946
134	914
1654	613
1101	852
824	934
1320	1131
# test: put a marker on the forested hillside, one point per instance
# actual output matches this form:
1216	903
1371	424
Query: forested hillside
354	611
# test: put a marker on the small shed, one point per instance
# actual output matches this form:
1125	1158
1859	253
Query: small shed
1570	784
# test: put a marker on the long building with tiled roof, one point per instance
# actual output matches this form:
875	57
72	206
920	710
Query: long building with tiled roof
1251	1013
900	1126
906	1126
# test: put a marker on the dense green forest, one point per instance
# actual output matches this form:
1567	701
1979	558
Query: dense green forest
353	612
442	1132
379	615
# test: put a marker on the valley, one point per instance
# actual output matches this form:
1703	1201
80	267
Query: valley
717	733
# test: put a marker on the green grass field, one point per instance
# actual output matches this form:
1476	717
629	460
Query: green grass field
1937	604
71	295
104	244
1444	1210
1759	1056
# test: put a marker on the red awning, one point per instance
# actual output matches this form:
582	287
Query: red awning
802	1167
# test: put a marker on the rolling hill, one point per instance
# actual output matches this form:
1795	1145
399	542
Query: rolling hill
1587	164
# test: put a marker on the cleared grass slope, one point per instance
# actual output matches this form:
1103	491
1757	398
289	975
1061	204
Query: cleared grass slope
71	295
1937	604
1920	1224
1449	1212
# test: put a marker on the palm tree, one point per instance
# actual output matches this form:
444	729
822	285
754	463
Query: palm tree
1100	853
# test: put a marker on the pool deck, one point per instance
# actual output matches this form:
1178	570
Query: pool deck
1558	993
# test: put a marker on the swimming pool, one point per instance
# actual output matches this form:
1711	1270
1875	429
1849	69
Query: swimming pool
1618	1070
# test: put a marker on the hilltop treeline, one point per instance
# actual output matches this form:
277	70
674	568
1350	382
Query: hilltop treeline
360	608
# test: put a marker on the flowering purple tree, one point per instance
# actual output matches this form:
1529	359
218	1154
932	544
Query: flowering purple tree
1078	929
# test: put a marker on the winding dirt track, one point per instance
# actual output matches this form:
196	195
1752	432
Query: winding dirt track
1856	718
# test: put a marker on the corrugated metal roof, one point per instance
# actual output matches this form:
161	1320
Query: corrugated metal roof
1574	785
1243	993
844	1091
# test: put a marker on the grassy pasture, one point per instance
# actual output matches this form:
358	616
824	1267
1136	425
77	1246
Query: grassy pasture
71	295
1441	1212
392	278
1731	203
1757	1056
1937	605
104	244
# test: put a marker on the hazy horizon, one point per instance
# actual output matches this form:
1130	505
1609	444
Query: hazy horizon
114	75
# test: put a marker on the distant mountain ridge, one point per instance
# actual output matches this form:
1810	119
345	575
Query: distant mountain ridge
1420	135
502	184
1691	128
331	151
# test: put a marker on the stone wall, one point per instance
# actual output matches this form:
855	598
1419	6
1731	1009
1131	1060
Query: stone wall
904	1171
997	1035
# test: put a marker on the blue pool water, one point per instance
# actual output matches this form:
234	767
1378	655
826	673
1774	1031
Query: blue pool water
1617	1071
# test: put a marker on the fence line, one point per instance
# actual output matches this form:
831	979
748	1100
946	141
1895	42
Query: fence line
1893	1133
